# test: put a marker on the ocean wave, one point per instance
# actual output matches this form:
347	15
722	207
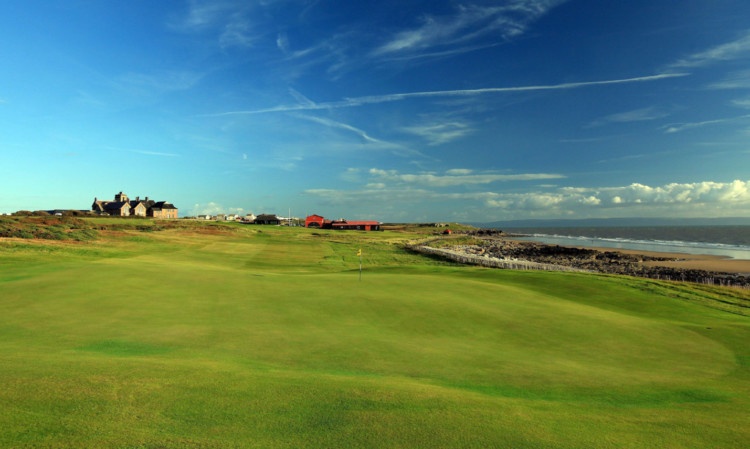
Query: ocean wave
647	241
673	246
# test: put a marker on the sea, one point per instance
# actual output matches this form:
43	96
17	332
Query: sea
728	241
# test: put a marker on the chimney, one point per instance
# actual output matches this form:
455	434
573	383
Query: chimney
146	198
138	198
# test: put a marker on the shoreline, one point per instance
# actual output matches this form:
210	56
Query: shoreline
699	268
686	261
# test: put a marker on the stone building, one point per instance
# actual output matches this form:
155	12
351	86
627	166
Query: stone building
122	206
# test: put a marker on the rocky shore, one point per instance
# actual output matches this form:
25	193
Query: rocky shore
494	245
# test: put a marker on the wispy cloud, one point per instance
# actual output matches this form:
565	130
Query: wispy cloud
742	102
230	21
153	153
456	177
282	42
735	80
237	32
588	139
466	23
736	49
440	133
637	115
200	14
146	152
375	99
678	127
631	157
159	81
372	142
439	54
334	124
472	92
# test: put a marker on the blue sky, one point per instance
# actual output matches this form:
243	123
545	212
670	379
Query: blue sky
477	110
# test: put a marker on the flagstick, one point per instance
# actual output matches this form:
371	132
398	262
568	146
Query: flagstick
360	265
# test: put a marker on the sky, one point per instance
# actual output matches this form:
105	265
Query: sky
396	111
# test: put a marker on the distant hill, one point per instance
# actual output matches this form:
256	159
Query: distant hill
615	222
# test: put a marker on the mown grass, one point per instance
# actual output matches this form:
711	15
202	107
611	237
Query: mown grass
249	336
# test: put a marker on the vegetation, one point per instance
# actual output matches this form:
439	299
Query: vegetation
47	228
426	227
456	240
227	335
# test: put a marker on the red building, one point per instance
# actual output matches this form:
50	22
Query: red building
316	221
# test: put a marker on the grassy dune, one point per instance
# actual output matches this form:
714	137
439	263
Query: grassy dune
264	337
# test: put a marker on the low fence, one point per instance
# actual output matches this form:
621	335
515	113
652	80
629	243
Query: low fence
718	281
492	262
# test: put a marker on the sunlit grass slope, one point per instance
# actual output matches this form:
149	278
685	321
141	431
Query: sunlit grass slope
265	337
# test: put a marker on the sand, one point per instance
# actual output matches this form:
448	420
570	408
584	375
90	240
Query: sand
691	261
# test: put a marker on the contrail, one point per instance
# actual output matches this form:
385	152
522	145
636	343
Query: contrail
359	101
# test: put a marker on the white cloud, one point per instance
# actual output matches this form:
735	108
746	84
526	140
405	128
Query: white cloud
699	193
676	199
459	171
736	49
742	102
214	209
454	179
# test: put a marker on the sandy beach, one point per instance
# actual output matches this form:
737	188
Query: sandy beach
690	261
685	261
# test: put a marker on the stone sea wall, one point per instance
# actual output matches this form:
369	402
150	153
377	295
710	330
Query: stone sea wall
498	252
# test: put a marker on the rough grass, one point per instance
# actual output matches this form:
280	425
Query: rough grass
265	337
46	228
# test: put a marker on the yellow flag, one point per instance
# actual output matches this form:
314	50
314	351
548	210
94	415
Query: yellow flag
359	253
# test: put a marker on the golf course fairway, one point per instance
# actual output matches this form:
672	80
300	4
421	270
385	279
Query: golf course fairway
264	337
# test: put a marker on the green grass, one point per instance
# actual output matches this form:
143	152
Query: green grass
249	336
